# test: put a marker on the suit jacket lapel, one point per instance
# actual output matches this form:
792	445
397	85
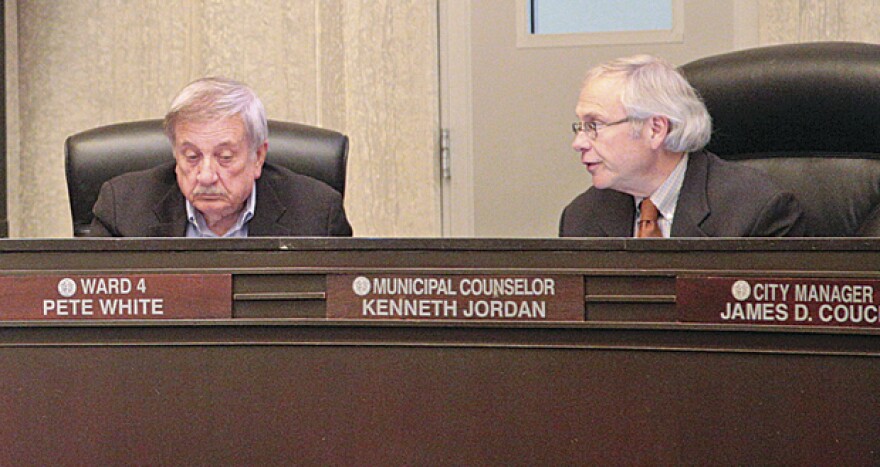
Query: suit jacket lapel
617	214
268	211
170	215
693	205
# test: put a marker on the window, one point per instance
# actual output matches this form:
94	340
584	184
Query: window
551	23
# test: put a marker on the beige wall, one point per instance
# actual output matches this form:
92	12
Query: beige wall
524	170
367	68
785	21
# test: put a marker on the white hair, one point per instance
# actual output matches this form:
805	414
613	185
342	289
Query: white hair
652	87
215	98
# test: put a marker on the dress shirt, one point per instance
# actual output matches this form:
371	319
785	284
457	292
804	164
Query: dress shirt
197	228
665	198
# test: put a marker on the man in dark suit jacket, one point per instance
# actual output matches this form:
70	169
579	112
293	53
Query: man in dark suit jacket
717	199
220	184
640	134
149	203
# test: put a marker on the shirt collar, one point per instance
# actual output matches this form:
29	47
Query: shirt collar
666	196
196	226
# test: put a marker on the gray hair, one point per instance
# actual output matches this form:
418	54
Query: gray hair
653	87
213	98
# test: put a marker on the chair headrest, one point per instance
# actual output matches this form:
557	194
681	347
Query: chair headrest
792	98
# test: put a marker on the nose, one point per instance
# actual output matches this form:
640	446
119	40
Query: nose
581	142
207	175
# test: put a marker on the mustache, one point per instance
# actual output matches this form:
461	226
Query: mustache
208	190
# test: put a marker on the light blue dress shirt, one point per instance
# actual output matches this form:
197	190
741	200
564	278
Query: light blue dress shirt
197	228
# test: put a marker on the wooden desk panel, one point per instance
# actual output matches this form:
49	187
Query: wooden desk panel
279	384
379	405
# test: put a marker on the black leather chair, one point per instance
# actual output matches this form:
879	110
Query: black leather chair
809	115
97	155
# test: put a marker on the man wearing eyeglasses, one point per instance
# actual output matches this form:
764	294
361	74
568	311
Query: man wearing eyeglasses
641	133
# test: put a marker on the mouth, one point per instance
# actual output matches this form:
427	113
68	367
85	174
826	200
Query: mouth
208	193
208	198
591	166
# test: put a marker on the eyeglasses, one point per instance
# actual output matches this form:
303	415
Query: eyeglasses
592	128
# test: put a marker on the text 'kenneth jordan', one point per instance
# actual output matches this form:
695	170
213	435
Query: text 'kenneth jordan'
455	298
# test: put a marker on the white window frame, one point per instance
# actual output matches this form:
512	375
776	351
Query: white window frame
524	39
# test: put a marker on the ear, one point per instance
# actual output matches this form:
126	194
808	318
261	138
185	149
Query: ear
658	129
261	159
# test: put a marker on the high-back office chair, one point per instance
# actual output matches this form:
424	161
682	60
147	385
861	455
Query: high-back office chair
809	115
97	155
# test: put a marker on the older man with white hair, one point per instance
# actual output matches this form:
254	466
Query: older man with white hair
641	131
220	184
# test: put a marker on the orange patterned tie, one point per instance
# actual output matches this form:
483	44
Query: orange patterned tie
648	220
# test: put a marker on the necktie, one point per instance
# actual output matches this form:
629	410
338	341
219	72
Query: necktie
648	215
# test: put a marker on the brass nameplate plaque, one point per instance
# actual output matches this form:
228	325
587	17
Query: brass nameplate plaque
801	302
117	296
451	297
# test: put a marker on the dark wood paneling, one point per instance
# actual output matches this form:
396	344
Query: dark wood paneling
279	384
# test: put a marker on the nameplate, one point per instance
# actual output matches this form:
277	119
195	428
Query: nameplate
118	297
442	297
801	302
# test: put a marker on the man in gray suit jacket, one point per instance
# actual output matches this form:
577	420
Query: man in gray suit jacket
640	133
220	184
